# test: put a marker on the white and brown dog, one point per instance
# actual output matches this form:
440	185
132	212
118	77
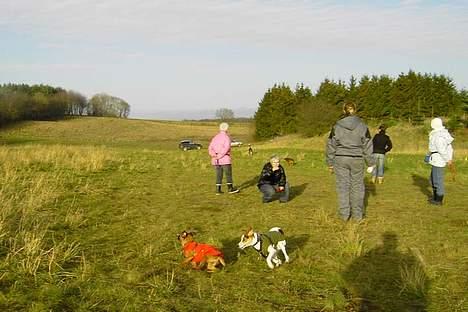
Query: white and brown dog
267	244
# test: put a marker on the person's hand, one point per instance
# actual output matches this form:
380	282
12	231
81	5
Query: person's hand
330	169
280	188
370	169
450	163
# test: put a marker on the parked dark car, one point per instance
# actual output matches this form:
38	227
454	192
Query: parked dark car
186	145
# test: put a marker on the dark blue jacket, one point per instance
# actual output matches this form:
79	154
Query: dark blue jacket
382	143
268	176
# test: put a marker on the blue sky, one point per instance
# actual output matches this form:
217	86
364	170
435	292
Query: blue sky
183	58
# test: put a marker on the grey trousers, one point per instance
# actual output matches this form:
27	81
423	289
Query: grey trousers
219	173
350	188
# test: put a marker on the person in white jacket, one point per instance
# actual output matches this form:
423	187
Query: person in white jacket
441	151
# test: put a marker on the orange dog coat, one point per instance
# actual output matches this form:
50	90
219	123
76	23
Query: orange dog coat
199	251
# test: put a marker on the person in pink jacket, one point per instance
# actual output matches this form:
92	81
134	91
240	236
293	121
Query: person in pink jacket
220	153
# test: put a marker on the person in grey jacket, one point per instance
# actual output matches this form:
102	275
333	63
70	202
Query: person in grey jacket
441	151
349	147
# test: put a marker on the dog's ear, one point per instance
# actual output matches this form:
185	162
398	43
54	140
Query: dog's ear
249	231
191	232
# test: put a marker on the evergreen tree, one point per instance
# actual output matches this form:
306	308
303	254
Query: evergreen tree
331	92
276	114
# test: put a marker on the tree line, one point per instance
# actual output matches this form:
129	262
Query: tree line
411	96
43	102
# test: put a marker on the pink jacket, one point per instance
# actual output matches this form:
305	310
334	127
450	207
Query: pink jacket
220	149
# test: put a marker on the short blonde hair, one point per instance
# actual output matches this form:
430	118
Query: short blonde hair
274	157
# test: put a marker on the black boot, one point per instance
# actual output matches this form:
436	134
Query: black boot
232	189
218	190
437	200
434	196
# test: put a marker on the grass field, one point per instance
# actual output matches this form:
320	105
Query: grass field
90	209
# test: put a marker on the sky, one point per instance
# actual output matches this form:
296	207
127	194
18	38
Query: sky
184	59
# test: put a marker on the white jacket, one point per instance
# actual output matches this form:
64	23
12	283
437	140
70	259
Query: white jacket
440	145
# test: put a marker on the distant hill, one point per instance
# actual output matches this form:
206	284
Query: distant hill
188	114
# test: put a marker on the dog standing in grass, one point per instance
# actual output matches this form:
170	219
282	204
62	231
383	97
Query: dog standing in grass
289	161
267	244
200	255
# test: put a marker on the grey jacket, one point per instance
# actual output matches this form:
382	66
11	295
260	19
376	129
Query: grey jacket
350	137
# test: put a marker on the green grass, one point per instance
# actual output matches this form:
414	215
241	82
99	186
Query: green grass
91	209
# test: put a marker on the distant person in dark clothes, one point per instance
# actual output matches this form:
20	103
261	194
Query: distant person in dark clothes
273	180
349	147
382	144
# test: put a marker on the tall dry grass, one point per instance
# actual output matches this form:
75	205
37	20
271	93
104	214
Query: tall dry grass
34	177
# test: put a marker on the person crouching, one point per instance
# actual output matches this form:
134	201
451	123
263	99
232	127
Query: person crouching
273	180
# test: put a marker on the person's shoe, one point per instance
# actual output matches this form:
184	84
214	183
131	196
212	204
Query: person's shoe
266	201
283	201
437	201
232	189
218	190
373	179
380	180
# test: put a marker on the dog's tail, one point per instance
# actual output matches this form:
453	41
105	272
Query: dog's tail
277	229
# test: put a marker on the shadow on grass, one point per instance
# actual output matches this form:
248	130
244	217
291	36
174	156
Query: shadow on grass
249	183
296	242
423	184
371	190
297	190
230	250
385	279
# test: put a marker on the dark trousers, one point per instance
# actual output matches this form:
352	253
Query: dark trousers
220	169
269	192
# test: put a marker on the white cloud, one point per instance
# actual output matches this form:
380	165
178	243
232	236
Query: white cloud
223	51
291	23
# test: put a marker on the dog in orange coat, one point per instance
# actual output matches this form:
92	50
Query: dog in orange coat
200	255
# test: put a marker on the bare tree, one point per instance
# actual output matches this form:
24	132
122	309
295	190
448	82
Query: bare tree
224	114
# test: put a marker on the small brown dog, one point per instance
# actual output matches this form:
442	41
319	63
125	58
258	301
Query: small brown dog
200	255
289	161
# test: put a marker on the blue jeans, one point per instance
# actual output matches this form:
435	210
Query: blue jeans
437	180
380	164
